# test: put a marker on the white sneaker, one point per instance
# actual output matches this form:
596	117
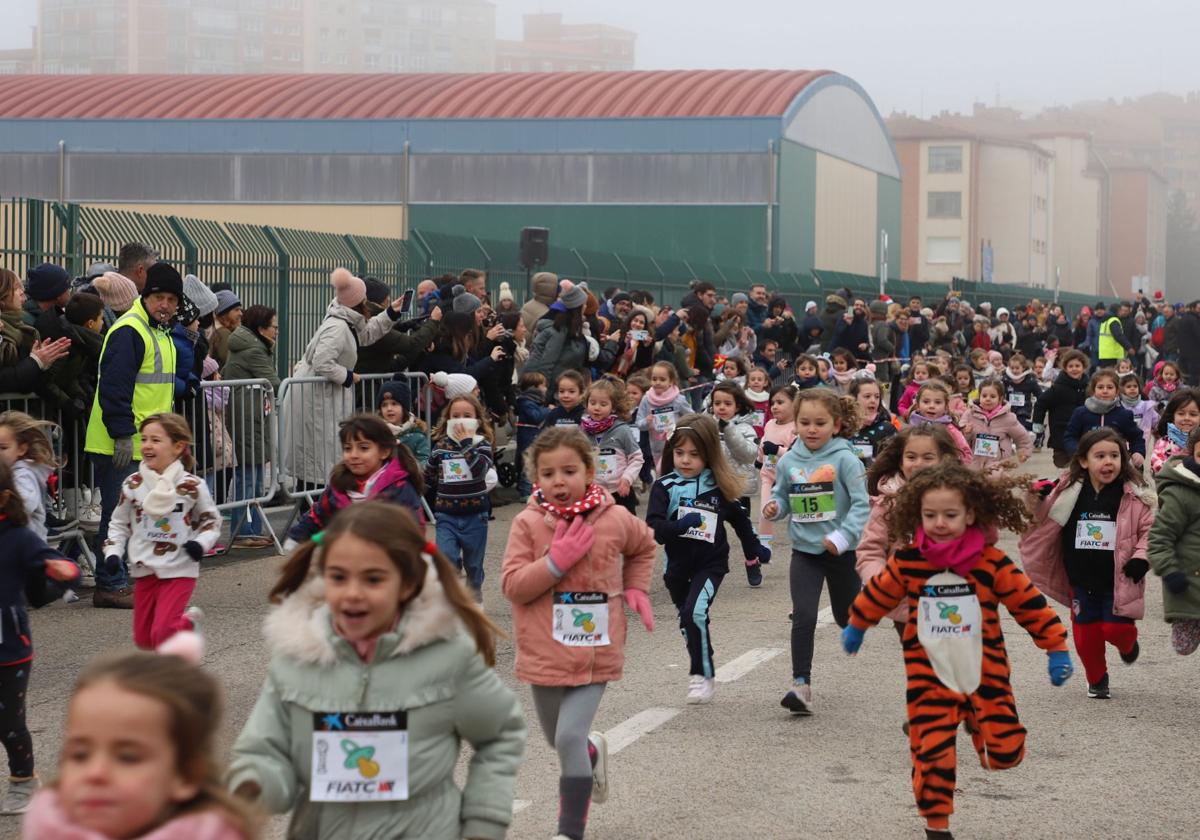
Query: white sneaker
700	689
195	615
600	768
16	798
798	700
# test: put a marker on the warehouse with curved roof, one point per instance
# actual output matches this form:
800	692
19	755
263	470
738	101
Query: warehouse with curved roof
784	170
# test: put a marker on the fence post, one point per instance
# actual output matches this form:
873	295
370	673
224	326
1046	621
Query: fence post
423	244
358	255
662	280
282	311
624	267
688	266
72	250
587	271
35	223
487	258
191	254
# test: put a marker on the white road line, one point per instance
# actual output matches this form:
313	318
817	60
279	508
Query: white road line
825	616
744	664
520	805
644	722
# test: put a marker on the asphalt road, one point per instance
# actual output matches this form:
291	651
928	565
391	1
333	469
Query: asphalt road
742	767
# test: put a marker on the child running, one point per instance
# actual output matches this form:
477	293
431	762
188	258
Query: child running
689	506
778	436
735	418
381	667
531	414
28	571
1058	404
617	452
371	468
1022	388
819	485
918	375
1175	544
1088	548
878	424
569	391
456	480
914	449
1167	379
573	560
1180	417
164	521
933	406
954	582
139	758
636	387
1145	411
25	447
758	394
661	408
1103	408
999	439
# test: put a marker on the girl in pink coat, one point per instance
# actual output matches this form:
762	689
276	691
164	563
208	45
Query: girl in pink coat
574	558
165	710
997	436
913	449
1088	549
777	438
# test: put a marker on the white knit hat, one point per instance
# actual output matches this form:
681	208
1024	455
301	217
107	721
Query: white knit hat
505	291
455	385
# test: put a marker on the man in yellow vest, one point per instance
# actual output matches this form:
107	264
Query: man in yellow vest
137	379
1111	345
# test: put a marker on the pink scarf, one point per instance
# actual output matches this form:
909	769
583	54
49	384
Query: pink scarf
47	820
666	398
991	415
844	379
958	555
592	426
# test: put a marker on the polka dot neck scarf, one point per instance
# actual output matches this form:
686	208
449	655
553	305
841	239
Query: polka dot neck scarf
591	500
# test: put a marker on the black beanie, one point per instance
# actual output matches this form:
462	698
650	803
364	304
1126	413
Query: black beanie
162	277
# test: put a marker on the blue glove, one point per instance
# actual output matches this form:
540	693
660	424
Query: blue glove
1060	667
685	523
1176	582
764	554
852	639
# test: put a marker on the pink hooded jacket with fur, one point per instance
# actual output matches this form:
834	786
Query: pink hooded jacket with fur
874	548
1014	438
1041	545
622	557
46	820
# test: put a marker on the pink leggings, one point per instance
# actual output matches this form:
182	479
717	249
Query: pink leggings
158	605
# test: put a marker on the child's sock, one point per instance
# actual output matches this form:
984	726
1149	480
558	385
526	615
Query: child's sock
574	797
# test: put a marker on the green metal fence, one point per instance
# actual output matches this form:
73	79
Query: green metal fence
289	269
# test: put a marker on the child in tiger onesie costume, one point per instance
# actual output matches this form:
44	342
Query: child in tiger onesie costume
954	654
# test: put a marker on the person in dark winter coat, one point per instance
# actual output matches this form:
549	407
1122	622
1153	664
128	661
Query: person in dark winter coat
780	327
1189	343
835	308
810	328
851	333
1058	404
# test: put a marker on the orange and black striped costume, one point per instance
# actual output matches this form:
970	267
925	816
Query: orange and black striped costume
935	711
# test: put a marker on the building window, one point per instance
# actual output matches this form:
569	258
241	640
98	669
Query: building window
945	250
945	205
945	158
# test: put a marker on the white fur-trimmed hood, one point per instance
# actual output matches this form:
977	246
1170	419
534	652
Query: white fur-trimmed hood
1060	511
300	627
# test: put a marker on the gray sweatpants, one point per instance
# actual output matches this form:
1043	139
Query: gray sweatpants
807	573
566	715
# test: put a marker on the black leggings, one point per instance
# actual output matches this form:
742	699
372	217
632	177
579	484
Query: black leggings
14	683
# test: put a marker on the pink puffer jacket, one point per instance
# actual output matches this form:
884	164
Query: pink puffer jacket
1041	545
1014	438
622	557
874	548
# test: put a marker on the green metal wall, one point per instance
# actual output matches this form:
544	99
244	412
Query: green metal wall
887	203
724	235
796	217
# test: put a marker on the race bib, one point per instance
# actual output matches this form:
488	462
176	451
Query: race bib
866	451
987	446
564	421
580	619
663	419
1096	534
606	461
1016	399
758	418
813	502
455	470
359	757
949	627
706	531
169	527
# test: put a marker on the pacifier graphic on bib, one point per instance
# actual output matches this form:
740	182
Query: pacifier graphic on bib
584	620
361	757
949	612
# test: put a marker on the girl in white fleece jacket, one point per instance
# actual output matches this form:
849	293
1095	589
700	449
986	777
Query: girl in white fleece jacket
164	522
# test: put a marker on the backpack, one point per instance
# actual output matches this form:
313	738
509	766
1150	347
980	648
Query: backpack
1156	338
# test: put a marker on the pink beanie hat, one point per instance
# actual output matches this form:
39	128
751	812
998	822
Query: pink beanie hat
350	291
116	290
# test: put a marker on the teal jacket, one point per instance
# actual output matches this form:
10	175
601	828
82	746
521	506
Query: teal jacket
428	667
836	462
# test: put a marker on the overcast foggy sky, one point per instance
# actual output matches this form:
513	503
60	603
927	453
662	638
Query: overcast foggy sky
920	56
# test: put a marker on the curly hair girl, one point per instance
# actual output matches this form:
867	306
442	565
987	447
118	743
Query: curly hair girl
989	501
